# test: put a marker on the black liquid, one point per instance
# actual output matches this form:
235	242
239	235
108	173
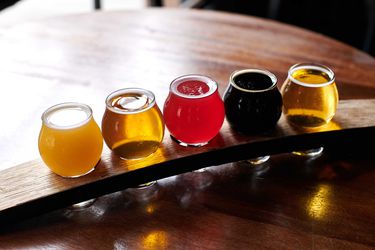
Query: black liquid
253	81
252	112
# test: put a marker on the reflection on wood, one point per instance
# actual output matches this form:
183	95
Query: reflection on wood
31	189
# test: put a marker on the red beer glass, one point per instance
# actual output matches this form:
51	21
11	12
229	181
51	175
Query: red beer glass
193	111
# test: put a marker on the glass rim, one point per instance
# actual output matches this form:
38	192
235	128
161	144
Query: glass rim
118	92
213	86
65	105
260	71
316	66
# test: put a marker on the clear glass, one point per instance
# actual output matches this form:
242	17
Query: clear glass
259	160
310	98
194	114
132	125
82	205
193	111
70	141
253	104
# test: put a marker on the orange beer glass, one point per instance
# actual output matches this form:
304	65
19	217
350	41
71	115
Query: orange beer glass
70	141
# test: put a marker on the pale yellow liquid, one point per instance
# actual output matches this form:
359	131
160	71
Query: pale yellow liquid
134	135
71	152
309	106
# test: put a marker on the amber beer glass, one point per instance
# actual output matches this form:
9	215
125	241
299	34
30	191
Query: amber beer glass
132	125
310	98
70	141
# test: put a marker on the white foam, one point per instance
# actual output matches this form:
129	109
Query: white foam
133	102
67	115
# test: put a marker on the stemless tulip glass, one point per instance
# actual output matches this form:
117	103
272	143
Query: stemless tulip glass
310	98
193	111
132	124
252	103
70	142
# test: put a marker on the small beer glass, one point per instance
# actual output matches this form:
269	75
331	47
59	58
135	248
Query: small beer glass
193	111
132	124
70	141
252	103
310	98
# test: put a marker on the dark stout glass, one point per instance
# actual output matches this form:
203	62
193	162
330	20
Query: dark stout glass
252	101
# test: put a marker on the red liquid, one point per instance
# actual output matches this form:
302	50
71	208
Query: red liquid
195	119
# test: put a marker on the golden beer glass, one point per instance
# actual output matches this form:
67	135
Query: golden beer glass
310	98
70	142
132	124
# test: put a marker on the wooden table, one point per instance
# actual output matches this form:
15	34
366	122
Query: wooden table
297	203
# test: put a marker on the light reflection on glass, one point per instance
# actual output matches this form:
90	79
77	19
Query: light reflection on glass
317	206
157	157
316	152
330	126
155	240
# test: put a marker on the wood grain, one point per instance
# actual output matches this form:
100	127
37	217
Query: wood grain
294	203
85	57
298	203
28	190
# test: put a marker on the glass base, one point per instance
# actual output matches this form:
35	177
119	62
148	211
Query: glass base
82	205
145	192
255	169
139	157
77	176
146	185
185	144
310	153
258	160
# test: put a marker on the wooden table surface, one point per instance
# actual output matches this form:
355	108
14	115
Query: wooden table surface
296	203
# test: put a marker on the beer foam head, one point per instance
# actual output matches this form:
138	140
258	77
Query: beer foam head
67	115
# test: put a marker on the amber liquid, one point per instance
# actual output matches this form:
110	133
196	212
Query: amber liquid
133	135
309	106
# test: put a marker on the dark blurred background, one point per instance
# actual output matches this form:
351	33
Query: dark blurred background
350	21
